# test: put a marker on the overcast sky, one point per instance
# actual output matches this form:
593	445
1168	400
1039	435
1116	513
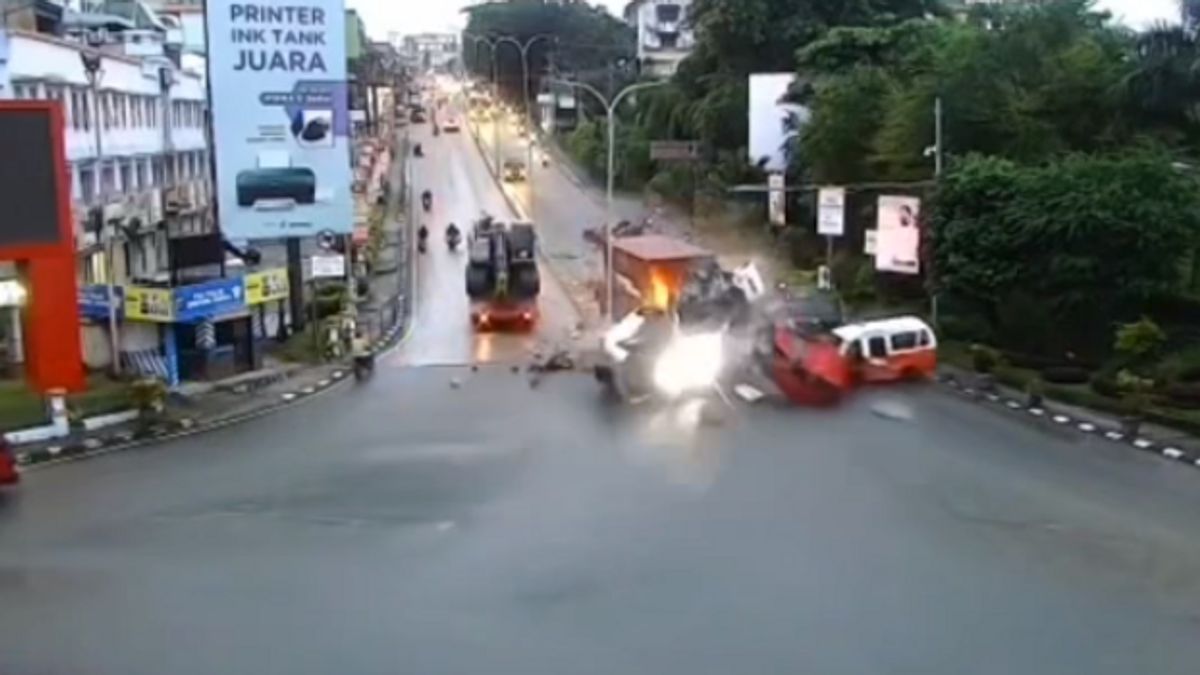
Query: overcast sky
418	16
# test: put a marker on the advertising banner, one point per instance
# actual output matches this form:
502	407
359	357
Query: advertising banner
328	266
831	211
210	299
149	304
266	286
277	77
93	301
898	238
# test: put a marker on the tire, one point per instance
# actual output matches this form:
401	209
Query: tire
527	282
479	283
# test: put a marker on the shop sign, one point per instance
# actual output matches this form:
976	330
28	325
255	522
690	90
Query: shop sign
149	304
210	299
93	301
266	286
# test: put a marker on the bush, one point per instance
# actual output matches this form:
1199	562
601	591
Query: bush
970	327
1104	383
804	249
1183	395
1066	375
1181	366
984	359
1140	340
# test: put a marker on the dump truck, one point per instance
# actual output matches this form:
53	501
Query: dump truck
503	281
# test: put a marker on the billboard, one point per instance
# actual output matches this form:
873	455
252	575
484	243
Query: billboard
277	84
29	188
898	237
831	211
266	286
149	304
770	119
777	199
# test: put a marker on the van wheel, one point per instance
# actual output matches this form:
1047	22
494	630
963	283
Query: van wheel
912	375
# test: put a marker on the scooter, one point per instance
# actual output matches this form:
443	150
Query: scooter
427	201
422	239
453	239
418	151
364	367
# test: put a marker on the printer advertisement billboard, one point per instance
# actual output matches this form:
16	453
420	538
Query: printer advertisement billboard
277	77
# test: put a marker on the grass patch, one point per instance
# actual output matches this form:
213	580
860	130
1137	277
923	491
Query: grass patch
300	347
20	407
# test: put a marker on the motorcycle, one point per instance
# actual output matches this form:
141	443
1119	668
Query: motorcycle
427	201
453	238
418	151
364	367
422	239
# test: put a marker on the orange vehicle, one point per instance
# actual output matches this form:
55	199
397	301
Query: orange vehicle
889	350
650	270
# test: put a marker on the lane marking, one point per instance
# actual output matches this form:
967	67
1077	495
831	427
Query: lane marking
1173	453
1087	427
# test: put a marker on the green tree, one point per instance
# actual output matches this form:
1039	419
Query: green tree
1090	238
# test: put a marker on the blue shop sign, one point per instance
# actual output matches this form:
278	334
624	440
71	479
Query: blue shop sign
93	301
210	299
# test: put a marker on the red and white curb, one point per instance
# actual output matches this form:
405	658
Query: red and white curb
1164	450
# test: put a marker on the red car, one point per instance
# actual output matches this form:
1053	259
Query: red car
8	465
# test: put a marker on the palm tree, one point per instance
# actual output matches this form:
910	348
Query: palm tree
1164	84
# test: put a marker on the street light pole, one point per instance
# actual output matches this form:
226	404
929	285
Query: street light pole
492	44
92	62
524	49
611	108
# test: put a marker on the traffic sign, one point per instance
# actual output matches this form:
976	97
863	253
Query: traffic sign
831	211
777	200
675	151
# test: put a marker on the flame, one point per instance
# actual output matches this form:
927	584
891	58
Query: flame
660	292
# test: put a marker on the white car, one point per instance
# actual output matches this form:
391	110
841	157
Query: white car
450	125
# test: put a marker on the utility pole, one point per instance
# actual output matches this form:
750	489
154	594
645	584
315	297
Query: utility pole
92	67
524	49
937	176
611	109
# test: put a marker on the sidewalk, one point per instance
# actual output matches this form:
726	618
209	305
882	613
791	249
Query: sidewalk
202	406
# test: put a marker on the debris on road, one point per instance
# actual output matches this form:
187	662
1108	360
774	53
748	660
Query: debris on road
456	383
893	410
559	361
748	393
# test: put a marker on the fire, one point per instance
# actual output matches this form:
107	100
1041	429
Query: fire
660	292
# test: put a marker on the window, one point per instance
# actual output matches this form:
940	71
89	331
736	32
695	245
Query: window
877	348
156	171
169	172
127	185
904	341
122	103
85	105
87	184
104	105
668	40
667	13
139	172
923	339
107	180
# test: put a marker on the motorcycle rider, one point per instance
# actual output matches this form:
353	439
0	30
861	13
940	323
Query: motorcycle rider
360	352
418	150
453	235
427	199
422	237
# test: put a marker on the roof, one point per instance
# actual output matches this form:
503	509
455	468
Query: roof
658	247
898	324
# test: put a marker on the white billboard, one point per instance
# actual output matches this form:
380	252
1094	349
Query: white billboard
281	128
770	119
777	200
898	237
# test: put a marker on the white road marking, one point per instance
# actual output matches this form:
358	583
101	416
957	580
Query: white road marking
1173	453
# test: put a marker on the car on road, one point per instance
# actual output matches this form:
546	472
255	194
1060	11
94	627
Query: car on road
514	171
8	465
451	125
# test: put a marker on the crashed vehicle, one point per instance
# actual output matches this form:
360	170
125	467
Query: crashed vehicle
8	465
502	278
678	307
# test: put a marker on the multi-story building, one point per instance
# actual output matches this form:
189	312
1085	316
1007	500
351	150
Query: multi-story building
135	145
664	37
436	52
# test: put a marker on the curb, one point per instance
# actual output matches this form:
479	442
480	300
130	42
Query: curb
95	446
1084	427
559	276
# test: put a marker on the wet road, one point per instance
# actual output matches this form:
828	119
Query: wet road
463	190
409	526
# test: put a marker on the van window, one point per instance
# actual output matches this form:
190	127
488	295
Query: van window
877	348
924	340
904	341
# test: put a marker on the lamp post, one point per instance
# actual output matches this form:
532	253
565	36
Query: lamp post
93	70
611	109
524	48
492	44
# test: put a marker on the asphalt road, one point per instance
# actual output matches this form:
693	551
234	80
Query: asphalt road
462	191
408	525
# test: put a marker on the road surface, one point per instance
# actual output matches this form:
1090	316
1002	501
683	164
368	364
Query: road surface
408	525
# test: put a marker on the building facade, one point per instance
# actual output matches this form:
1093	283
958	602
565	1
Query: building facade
136	150
664	37
432	52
